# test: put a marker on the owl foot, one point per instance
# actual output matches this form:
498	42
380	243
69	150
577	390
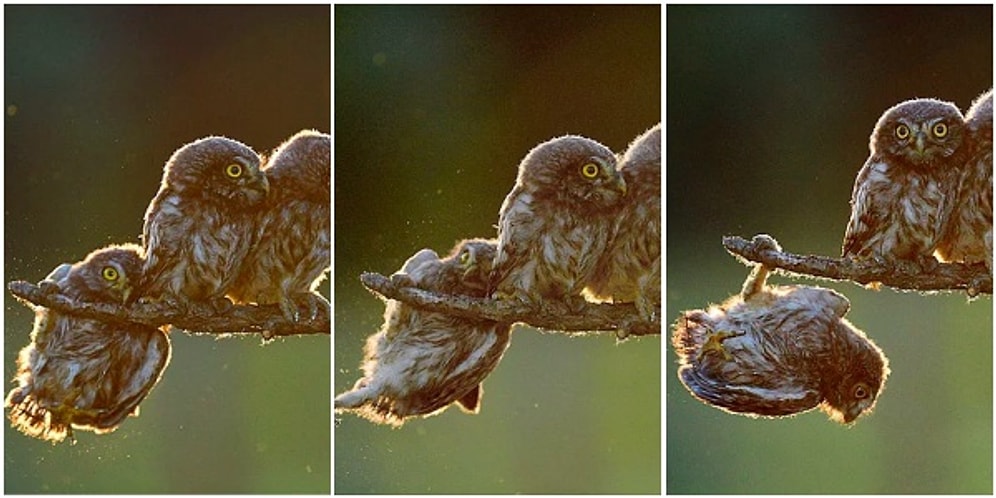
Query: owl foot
714	343
310	302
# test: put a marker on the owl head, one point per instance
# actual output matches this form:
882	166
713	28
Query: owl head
109	274
980	116
920	134
301	167
217	170
857	377
474	260
573	172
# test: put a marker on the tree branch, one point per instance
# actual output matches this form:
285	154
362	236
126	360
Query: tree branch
239	319
973	279
552	316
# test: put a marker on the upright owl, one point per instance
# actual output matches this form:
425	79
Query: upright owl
778	351
557	221
293	252
630	267
969	234
902	195
84	373
422	361
201	224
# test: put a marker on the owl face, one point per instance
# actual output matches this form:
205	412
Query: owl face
217	169
573	171
475	259
106	275
861	378
920	133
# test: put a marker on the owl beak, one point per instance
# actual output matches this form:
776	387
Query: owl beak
621	185
125	291
852	414
920	144
469	265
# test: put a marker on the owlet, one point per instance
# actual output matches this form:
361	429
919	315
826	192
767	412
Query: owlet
629	269
902	195
557	221
779	350
201	224
83	373
294	249
421	361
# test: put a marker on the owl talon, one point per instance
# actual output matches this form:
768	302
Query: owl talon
714	343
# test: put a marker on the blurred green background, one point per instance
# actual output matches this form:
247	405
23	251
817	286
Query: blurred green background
97	98
434	109
769	110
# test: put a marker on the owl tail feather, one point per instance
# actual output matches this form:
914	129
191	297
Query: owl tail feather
33	420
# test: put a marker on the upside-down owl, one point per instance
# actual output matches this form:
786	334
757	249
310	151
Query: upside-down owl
969	234
201	224
779	350
421	361
84	373
630	267
556	221
902	195
294	249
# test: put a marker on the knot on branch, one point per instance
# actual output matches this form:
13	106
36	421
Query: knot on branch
267	320
622	318
971	278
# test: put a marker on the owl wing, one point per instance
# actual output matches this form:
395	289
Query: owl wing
517	226
148	355
750	398
867	213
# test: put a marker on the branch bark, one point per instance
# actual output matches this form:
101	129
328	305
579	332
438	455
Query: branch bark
973	279
552	316
239	319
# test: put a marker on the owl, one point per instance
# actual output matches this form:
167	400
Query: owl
293	253
902	195
969	234
421	361
557	221
84	373
201	224
629	269
780	350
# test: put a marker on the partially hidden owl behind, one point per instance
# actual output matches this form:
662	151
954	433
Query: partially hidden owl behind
629	269
201	224
556	221
84	373
969	234
293	252
902	195
420	362
775	351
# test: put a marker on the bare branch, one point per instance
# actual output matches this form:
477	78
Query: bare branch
552	316
973	279
239	319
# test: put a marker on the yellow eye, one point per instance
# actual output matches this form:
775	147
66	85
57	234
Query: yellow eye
233	170
464	258
860	391
903	132
109	273
940	130
589	170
